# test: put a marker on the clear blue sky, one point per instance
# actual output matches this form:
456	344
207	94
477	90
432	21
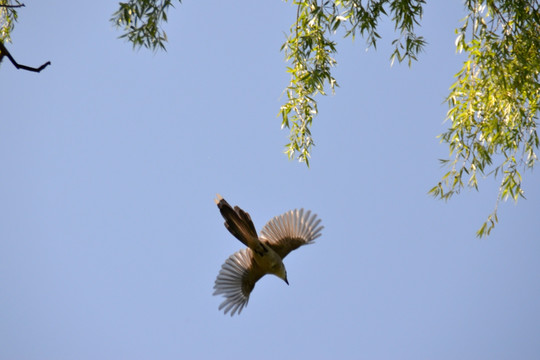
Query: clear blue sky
110	159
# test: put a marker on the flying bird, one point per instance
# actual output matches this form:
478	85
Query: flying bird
264	254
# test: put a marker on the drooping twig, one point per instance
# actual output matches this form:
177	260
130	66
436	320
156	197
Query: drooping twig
501	16
5	52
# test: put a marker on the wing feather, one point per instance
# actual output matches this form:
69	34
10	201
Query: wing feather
236	280
291	230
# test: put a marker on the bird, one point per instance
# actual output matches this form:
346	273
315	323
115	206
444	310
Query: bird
263	255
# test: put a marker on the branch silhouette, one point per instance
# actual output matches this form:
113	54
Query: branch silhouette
12	6
5	52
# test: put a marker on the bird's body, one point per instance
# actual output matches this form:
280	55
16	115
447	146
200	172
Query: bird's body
263	255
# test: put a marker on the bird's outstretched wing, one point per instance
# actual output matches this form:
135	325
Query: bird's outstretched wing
291	230
236	280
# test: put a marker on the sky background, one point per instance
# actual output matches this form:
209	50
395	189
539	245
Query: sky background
110	158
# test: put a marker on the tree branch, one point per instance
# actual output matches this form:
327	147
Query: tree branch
5	52
12	6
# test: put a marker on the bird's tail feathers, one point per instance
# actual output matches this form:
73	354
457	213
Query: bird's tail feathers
238	222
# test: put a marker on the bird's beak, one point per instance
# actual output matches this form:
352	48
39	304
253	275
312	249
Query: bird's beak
286	281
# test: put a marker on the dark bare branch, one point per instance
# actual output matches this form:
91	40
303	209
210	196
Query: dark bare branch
12	6
5	52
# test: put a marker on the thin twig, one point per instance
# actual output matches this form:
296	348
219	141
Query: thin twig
501	16
12	6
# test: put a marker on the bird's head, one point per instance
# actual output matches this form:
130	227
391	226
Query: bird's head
279	270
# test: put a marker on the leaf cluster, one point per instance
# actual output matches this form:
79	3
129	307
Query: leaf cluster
8	17
494	102
310	52
142	22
